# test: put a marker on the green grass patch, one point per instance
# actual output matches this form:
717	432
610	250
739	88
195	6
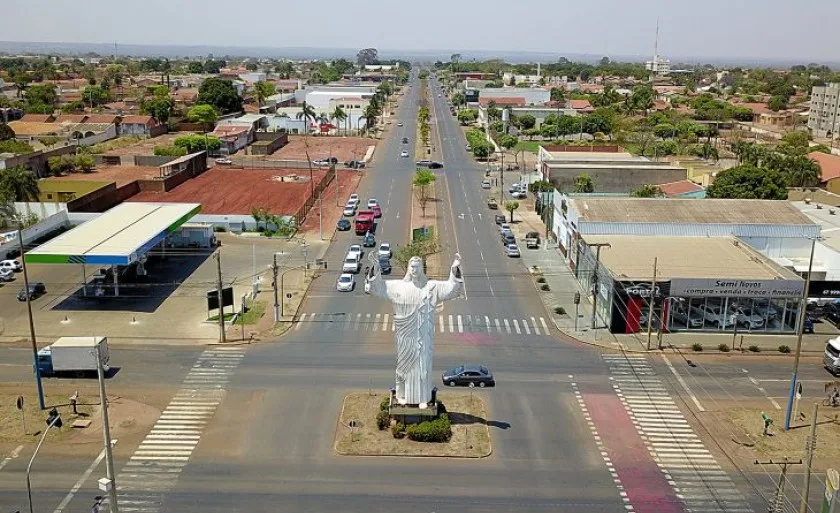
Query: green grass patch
228	316
115	144
532	146
253	312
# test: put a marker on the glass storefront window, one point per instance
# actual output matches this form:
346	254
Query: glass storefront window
729	314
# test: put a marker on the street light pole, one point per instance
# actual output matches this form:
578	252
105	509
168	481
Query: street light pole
799	329
106	432
31	319
55	419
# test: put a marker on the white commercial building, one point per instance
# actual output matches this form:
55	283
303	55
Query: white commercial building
320	96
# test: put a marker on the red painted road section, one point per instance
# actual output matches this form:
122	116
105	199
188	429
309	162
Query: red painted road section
646	487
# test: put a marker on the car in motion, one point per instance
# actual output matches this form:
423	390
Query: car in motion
384	250
405	140
512	251
356	249
485	184
470	376
352	264
343	225
345	283
404	154
35	291
372	203
369	240
400	123
385	265
349	210
431	164
224	160
377	211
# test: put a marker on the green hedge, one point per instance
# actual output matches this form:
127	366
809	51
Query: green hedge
438	430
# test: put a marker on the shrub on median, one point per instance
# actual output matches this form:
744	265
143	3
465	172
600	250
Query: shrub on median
437	431
545	287
559	310
754	349
697	347
723	348
784	349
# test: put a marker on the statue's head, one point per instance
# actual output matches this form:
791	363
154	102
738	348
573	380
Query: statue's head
415	273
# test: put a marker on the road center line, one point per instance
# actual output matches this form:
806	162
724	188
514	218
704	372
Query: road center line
14	454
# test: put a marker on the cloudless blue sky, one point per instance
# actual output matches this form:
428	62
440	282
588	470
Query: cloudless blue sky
778	29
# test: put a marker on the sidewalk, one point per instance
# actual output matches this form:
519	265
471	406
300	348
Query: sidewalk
551	266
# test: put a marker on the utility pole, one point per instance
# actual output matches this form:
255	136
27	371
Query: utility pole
652	301
777	505
31	319
218	258
799	329
810	447
106	433
276	301
598	247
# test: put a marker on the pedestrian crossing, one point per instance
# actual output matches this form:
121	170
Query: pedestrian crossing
166	450
451	323
687	465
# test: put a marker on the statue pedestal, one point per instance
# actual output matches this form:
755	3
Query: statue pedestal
412	413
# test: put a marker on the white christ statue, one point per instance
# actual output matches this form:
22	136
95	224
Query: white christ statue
415	298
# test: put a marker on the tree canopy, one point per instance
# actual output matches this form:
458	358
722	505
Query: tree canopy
748	182
221	94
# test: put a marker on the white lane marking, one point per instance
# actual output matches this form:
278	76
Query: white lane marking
300	321
525	326
356	323
486	323
67	498
451	325
375	323
460	325
684	385
14	454
440	322
516	327
498	326
385	322
507	326
536	328
367	321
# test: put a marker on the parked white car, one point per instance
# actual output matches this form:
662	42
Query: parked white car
352	264
349	211
372	203
385	250
485	184
7	275
713	315
748	318
345	283
355	249
512	250
12	265
504	227
353	198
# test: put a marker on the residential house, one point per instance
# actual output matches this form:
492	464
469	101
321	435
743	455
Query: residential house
234	137
829	170
144	126
581	106
127	106
682	189
38	118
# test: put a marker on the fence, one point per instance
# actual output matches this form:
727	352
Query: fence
300	215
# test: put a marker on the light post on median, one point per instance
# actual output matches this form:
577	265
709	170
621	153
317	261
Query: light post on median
799	329
54	419
31	319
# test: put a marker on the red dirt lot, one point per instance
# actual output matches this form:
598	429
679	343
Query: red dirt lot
120	174
348	181
343	148
237	191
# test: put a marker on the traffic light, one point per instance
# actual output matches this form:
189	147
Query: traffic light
54	419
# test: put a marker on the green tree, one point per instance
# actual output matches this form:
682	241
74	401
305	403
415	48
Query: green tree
263	90
85	162
6	132
307	114
794	143
594	123
194	143
213	66
458	99
370	114
170	151
510	206
646	191
466	116
641	99
508	142
422	182
94	95
159	108
822	148
748	182
583	184
664	130
220	94
800	171
206	115
527	121
194	67
41	94
251	66
338	115
15	146
19	183
777	103
367	56
557	94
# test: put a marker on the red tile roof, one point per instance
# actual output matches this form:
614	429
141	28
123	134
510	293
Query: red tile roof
102	118
510	101
38	118
71	118
579	104
829	165
138	120
677	188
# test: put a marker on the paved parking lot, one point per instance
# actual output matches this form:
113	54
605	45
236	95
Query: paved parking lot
172	311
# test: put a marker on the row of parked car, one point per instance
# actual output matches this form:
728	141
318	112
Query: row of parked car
352	264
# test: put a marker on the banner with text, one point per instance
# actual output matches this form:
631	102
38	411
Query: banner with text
689	287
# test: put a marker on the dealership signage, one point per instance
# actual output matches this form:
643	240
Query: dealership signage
818	288
685	287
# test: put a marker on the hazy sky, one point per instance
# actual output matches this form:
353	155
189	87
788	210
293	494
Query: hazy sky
779	29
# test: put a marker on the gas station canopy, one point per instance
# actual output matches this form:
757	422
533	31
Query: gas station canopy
119	236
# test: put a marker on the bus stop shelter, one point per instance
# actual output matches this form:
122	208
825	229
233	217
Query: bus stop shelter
119	237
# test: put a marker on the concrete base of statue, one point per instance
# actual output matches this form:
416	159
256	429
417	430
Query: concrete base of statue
413	413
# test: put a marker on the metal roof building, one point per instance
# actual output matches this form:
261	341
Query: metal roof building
120	236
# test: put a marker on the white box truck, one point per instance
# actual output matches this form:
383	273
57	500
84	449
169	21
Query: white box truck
73	356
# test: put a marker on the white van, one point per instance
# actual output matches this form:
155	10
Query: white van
831	357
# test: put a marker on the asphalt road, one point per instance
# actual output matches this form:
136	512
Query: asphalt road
269	446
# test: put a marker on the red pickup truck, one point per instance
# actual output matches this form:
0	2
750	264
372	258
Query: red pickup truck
364	222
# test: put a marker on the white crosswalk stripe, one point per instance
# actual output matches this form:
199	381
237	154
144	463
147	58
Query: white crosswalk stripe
383	322
697	478
154	467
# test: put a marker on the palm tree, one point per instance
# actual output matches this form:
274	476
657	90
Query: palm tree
19	183
307	113
370	114
338	114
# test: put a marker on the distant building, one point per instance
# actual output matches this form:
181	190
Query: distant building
824	119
